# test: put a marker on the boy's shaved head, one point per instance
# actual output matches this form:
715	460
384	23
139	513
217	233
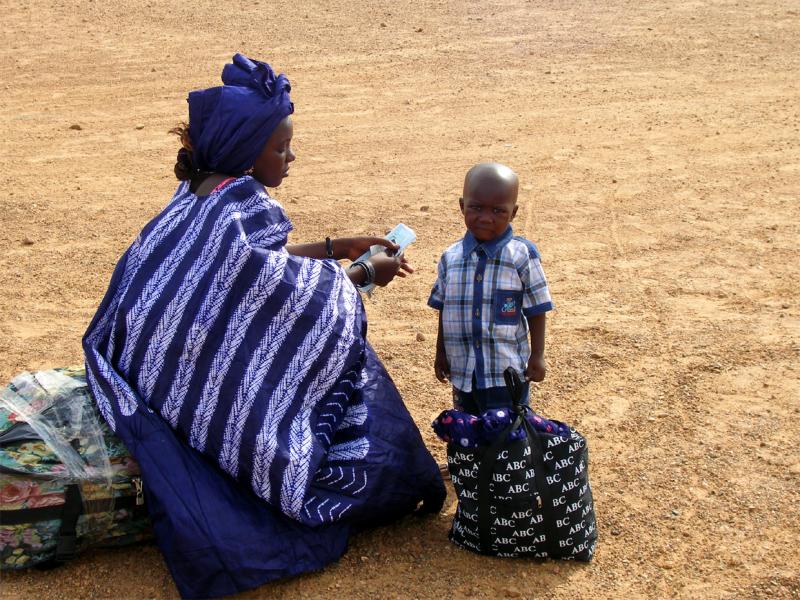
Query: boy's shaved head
489	203
490	175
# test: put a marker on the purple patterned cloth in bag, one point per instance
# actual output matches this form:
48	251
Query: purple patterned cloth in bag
470	431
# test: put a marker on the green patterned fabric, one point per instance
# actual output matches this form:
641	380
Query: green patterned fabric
51	436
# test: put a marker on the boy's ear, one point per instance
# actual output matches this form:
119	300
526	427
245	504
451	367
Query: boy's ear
514	212
461	203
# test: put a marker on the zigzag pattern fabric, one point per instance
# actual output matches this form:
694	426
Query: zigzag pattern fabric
240	378
235	343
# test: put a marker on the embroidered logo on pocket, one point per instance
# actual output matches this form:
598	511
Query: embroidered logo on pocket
507	306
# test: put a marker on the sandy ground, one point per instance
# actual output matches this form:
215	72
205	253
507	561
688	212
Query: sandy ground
657	144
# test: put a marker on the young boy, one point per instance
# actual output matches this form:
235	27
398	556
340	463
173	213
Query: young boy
490	293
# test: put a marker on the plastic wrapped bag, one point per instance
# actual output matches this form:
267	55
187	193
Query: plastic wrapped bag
66	482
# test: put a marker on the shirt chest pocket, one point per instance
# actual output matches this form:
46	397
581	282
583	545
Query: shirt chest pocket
507	306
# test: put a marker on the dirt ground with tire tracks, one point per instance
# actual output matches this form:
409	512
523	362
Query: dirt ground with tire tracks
657	146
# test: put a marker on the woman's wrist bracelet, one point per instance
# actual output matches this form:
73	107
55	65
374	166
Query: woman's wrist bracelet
329	247
363	268
369	272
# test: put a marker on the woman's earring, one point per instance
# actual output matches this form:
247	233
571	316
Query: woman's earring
249	171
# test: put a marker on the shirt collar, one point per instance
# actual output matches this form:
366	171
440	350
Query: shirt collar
492	247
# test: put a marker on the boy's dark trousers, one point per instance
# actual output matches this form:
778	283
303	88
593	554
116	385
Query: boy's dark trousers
480	400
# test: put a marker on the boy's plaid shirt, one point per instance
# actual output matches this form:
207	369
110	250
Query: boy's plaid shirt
485	291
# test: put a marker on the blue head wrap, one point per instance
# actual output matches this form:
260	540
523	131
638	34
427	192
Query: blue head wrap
230	125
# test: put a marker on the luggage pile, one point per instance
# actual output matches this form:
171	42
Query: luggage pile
66	482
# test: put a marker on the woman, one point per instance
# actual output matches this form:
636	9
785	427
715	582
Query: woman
236	369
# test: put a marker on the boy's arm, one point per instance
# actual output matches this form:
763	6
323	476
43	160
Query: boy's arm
535	305
536	366
440	365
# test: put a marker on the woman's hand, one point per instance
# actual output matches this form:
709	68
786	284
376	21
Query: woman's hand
353	247
388	267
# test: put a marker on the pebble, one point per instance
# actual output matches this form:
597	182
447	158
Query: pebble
27	241
76	127
424	208
420	336
675	512
512	592
595	355
616	532
140	126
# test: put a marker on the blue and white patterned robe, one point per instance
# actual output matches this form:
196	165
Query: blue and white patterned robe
212	336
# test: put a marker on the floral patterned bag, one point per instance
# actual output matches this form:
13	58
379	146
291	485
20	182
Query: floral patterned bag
66	482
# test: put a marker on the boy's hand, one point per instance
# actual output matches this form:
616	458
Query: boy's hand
441	366
536	369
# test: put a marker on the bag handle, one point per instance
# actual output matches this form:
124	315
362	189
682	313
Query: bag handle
535	459
515	386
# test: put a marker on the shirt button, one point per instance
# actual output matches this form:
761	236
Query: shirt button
477	312
478	344
479	277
